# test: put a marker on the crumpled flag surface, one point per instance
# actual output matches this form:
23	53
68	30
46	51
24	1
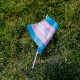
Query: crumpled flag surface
42	32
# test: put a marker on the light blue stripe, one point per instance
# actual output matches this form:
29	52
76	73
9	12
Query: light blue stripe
40	44
52	22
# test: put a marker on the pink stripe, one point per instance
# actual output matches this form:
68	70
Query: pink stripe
41	36
47	26
38	33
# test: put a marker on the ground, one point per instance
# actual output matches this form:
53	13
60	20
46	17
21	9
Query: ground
61	58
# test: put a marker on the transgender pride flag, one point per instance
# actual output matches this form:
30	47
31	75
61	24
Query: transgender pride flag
41	33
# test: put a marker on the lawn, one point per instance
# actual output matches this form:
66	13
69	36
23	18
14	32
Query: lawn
61	58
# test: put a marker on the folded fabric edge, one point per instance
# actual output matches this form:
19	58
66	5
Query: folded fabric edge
39	43
53	23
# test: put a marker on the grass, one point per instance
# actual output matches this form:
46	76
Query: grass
61	58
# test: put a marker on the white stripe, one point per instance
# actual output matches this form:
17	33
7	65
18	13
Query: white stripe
43	30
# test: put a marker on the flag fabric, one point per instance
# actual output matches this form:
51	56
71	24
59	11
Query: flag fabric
42	32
